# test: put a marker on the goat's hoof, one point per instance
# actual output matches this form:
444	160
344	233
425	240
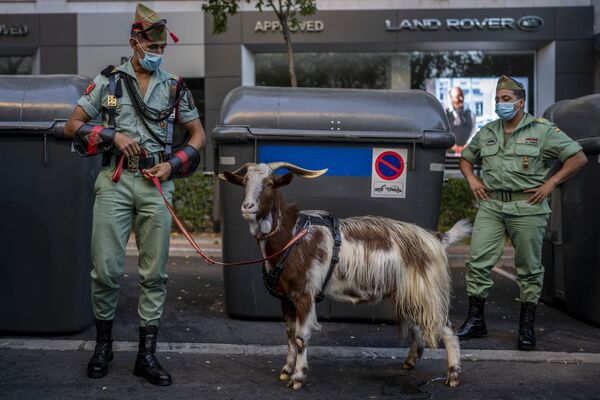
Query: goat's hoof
297	385
408	366
284	376
452	380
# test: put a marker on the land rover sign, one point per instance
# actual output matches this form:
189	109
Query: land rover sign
529	23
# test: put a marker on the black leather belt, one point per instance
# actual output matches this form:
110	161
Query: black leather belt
134	164
508	196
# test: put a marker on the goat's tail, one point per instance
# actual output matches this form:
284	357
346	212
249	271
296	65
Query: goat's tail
459	230
423	291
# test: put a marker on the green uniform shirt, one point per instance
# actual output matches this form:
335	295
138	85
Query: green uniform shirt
520	163
126	119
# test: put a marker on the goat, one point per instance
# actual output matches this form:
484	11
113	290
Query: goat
379	259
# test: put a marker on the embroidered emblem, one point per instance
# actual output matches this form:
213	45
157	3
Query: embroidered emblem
89	88
532	140
111	100
93	139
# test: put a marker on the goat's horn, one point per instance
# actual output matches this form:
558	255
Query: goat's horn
240	171
305	173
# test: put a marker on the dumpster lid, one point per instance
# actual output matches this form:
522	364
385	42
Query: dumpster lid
578	117
38	103
280	113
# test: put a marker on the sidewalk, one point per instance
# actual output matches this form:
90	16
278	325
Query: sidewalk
210	243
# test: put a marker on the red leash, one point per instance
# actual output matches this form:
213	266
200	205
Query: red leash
189	237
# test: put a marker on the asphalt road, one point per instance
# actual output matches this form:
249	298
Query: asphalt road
35	367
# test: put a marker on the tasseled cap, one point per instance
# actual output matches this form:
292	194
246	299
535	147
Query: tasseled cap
150	25
506	82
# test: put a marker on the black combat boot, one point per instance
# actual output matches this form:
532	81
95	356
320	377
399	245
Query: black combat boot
98	365
526	329
474	325
146	364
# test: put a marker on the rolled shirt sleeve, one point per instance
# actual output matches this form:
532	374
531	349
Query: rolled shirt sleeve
559	145
187	109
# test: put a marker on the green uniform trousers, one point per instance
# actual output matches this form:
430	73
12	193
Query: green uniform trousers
526	233
132	201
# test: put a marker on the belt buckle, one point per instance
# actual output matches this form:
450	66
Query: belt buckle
133	163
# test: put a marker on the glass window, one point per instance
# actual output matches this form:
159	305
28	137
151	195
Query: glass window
16	65
440	73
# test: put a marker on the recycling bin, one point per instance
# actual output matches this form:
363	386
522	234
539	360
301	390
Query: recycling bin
571	252
384	151
46	208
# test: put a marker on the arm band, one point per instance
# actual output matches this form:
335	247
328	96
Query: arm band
184	162
91	139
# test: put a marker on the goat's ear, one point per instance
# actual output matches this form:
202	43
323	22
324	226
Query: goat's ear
283	180
231	178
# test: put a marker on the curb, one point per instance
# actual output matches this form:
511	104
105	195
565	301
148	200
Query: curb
316	351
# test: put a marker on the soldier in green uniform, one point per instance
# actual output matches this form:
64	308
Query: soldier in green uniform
515	152
138	103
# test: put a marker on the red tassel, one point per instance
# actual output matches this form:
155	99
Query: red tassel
174	37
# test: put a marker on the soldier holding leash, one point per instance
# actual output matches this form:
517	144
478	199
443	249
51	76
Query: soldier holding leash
138	103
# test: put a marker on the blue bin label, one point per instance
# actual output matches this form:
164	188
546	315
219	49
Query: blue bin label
388	173
340	161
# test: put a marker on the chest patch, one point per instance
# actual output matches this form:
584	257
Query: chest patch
532	140
491	142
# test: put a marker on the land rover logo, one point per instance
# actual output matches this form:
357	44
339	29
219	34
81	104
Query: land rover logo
530	23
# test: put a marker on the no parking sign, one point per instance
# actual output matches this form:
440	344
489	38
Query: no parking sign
388	175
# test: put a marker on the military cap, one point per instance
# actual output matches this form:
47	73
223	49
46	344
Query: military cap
506	82
150	25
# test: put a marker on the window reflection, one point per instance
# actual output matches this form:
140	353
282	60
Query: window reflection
16	65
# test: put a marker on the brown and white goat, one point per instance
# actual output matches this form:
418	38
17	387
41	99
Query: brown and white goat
380	259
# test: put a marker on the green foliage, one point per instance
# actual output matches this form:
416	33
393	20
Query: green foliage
193	201
287	10
458	202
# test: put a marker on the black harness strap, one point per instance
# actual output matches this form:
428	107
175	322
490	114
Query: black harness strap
111	104
305	220
148	113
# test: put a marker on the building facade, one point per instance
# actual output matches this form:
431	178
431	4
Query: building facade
550	45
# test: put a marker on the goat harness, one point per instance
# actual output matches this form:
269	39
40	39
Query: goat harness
304	222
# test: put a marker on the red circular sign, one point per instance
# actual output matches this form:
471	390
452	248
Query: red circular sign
389	165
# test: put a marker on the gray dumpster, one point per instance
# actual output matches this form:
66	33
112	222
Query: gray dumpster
385	153
46	204
571	252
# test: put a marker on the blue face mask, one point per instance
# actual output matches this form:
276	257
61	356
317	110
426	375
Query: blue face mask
151	61
506	111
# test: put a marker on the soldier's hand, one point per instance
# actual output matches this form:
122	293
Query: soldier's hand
126	145
162	171
478	189
539	194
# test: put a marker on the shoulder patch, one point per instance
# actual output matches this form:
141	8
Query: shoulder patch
543	121
89	88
